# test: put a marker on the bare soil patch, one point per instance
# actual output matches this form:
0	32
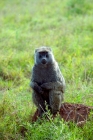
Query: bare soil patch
78	113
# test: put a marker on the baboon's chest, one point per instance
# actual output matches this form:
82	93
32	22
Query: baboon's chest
45	75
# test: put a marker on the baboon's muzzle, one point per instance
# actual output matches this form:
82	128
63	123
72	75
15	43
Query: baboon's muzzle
44	61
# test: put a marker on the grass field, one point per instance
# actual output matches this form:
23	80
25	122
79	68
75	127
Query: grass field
67	27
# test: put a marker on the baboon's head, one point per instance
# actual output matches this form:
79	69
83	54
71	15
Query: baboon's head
44	56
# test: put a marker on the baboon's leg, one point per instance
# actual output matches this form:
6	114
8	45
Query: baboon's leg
55	99
39	102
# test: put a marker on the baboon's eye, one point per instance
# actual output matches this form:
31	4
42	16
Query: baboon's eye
40	55
47	55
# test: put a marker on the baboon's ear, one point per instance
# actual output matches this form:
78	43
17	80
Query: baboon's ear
36	50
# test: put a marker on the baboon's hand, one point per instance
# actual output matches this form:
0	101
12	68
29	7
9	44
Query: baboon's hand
46	86
36	87
39	90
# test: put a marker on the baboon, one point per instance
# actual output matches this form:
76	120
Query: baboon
47	82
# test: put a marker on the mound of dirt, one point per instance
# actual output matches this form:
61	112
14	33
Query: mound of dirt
71	112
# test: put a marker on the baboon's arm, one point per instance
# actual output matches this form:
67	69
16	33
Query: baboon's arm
53	86
36	87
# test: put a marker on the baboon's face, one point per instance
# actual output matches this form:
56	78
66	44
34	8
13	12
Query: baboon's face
44	57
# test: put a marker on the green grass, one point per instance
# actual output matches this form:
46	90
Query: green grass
67	27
